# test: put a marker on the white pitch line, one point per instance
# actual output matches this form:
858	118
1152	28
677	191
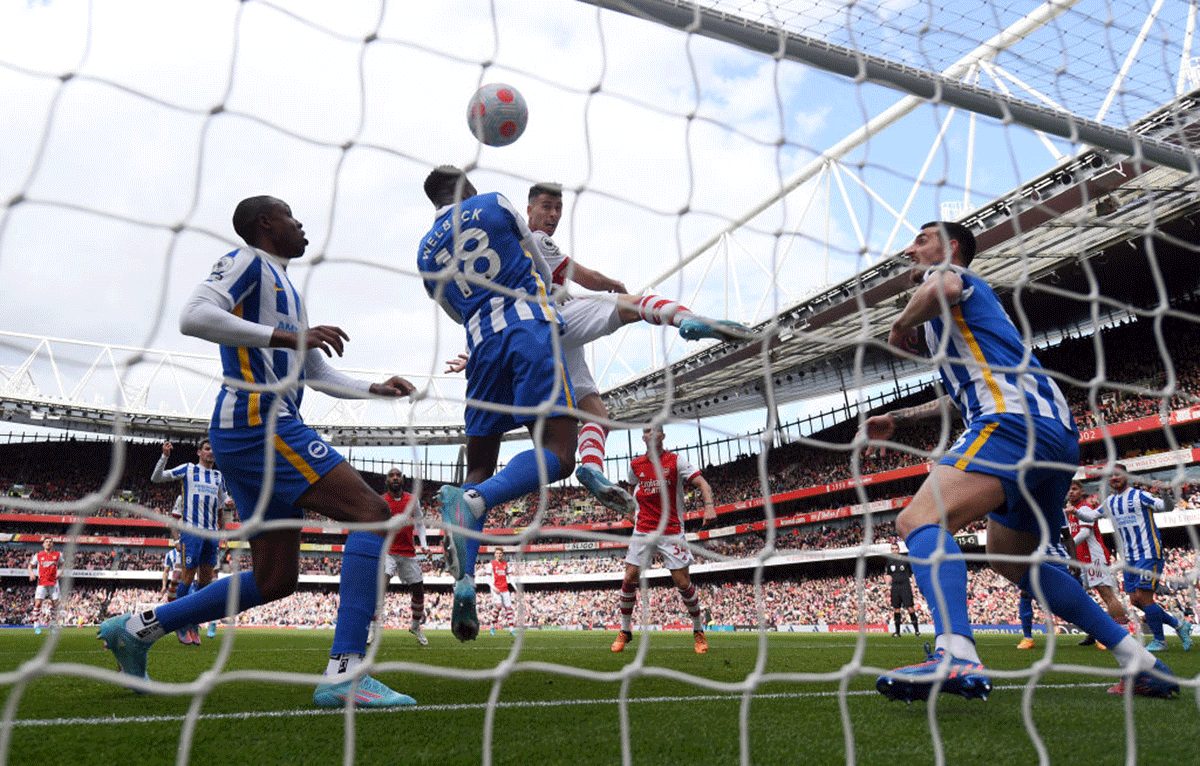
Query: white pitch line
472	706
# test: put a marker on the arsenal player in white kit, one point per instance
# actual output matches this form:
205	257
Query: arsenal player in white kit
659	477
44	568
1083	521
502	594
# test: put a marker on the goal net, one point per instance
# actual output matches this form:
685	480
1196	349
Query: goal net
761	162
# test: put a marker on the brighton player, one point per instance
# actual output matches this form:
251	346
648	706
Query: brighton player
1083	519
44	569
1011	408
502	594
590	318
402	555
202	505
479	264
172	574
250	307
659	477
1132	512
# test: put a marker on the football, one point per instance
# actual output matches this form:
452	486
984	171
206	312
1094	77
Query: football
497	114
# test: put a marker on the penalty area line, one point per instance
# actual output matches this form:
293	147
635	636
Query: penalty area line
255	714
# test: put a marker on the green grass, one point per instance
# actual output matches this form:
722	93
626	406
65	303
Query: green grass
677	712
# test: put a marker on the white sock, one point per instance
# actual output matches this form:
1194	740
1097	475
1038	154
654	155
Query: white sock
342	664
475	502
145	626
1130	654
958	647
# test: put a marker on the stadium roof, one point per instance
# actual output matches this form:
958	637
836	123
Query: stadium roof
1089	218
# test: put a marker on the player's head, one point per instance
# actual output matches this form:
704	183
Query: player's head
939	240
267	223
1119	480
446	185
394	481
205	455
499	554
1075	493
653	436
545	207
47	544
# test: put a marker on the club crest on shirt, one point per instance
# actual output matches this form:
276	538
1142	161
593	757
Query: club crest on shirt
220	267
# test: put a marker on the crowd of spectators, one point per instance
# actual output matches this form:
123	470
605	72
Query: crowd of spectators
65	471
783	601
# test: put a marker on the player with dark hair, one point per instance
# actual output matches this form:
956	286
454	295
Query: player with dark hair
202	507
250	307
899	575
402	555
1132	512
479	264
502	594
1013	411
1092	553
591	317
659	478
171	576
45	568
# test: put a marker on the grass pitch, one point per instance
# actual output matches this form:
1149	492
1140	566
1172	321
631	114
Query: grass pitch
556	698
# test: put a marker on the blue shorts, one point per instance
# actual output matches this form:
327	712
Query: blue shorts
1145	577
302	457
1001	441
198	551
514	368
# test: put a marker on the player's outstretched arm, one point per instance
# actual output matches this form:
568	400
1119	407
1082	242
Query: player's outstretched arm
458	364
158	475
881	427
393	387
594	280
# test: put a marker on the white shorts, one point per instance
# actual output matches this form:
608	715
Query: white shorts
407	568
504	598
582	382
1094	576
674	549
587	319
44	592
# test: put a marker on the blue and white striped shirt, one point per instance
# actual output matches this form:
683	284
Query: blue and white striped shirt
254	286
981	340
173	560
203	492
485	238
1132	513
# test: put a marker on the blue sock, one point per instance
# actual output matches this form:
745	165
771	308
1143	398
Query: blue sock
357	592
951	576
1068	600
1025	609
209	603
519	477
1155	617
182	589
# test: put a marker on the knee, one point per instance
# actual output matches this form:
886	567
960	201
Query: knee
905	523
566	463
276	586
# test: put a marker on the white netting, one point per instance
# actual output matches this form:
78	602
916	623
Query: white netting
743	184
